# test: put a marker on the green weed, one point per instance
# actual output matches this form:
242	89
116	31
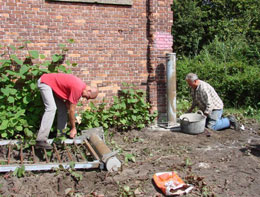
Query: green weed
125	191
19	172
129	157
21	105
128	111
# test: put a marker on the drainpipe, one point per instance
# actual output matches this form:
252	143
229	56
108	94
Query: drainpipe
171	88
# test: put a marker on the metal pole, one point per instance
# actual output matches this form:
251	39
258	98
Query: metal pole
171	88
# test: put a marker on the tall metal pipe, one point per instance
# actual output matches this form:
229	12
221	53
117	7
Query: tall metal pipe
171	88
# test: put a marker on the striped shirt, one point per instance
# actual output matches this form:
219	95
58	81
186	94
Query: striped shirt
206	98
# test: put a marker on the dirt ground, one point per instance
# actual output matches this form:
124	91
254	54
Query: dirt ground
226	163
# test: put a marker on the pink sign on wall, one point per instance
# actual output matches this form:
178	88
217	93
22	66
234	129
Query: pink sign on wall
163	40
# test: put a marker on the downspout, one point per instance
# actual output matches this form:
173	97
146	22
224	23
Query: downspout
171	88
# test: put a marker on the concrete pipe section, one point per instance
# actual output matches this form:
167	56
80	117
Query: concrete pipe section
105	154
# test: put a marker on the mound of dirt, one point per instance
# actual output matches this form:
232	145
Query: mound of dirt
224	163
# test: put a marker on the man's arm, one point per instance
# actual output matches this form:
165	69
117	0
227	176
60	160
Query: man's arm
71	109
191	109
208	102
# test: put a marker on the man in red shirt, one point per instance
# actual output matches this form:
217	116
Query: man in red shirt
60	92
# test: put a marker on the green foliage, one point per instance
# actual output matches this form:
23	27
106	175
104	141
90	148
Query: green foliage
125	191
96	116
129	111
182	106
198	22
19	172
188	162
188	29
252	112
75	175
129	157
70	171
20	102
222	64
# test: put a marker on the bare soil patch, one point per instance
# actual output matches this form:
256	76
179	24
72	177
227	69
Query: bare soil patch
225	164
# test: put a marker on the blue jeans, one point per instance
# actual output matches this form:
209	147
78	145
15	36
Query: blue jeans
216	122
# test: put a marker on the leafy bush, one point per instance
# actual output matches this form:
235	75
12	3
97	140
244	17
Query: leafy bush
222	64
129	111
21	105
188	29
198	22
96	116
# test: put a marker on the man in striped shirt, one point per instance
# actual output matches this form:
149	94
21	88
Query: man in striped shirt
207	100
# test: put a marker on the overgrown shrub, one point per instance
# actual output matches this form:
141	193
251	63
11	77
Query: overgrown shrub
224	66
198	22
96	116
128	111
21	105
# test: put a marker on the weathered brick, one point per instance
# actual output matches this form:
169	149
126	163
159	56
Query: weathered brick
112	41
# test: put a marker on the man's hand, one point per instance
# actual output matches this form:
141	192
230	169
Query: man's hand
67	104
73	133
190	110
206	114
73	130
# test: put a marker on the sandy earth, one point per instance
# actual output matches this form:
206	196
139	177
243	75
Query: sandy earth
226	163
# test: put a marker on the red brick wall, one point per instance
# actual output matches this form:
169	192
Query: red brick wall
114	43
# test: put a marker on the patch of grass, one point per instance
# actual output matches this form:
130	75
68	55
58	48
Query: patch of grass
124	190
244	114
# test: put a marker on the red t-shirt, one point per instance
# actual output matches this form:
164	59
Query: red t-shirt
66	86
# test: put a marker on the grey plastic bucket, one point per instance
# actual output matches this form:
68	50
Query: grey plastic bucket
193	123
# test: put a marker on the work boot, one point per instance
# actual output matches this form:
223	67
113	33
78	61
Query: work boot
43	145
207	132
234	123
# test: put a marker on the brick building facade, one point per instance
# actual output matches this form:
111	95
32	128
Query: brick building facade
115	40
